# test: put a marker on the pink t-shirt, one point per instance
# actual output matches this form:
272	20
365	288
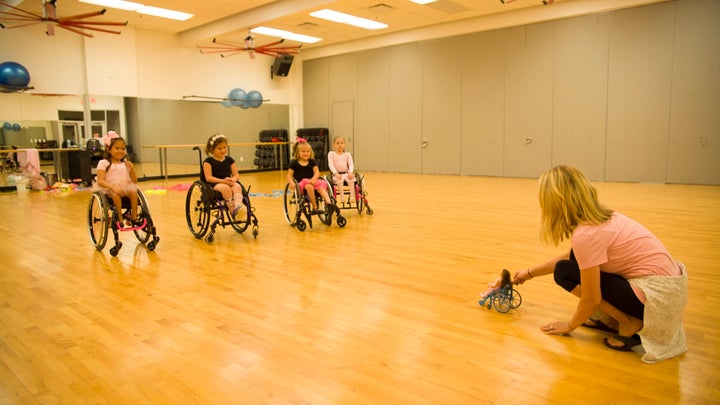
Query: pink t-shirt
622	246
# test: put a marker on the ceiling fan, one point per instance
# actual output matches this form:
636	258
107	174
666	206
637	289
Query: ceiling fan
75	23
229	48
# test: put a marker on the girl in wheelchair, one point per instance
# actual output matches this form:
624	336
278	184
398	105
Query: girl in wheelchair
117	178
305	171
219	170
342	168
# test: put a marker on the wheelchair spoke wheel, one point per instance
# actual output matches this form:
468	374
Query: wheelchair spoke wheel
242	221
291	204
143	235
324	212
197	210
360	192
9	165
98	221
515	298
502	303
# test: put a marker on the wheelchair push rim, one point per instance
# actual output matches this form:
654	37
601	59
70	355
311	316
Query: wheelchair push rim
98	220
197	210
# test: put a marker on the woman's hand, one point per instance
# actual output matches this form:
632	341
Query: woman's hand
557	328
522	276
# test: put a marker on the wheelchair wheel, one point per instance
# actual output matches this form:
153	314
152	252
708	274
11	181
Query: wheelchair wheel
291	204
515	298
324	212
360	192
98	220
241	225
9	165
197	209
502	303
143	235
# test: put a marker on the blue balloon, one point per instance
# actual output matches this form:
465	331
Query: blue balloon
237	96
7	126
227	103
255	99
13	74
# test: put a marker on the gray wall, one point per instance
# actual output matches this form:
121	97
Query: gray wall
631	95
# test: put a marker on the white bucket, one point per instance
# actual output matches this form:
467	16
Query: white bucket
22	186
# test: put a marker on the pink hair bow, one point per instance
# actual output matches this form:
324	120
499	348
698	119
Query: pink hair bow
109	137
301	140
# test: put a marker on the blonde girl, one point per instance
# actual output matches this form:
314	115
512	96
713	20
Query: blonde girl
342	167
304	170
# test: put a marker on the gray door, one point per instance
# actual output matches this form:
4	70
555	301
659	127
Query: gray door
343	124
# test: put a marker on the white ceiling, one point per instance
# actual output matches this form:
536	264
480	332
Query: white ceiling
230	20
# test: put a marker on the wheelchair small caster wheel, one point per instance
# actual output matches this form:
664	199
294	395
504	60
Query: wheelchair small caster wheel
370	211
255	231
209	239
151	245
301	225
115	249
341	221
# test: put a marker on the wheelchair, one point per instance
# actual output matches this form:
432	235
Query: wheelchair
297	205
205	210
343	201
102	216
503	299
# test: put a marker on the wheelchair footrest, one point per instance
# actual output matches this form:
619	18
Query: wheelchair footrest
122	228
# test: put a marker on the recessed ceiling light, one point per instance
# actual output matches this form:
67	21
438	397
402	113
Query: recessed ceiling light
423	1
141	8
273	32
343	18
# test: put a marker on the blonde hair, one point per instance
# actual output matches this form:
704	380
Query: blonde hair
567	199
213	142
296	152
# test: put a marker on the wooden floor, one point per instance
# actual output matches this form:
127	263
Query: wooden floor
382	311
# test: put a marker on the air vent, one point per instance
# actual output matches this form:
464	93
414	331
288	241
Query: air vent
307	25
380	8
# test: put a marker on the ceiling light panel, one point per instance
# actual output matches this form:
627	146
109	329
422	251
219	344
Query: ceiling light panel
141	8
338	17
273	32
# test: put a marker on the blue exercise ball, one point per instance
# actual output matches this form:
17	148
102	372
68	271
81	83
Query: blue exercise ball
255	99
7	126
16	127
237	96
13	74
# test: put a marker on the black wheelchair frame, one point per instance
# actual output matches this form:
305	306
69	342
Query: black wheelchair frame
203	203
361	202
296	205
103	216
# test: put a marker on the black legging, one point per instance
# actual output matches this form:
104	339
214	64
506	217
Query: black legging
615	289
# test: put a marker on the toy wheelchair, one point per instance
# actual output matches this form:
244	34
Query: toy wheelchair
504	297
